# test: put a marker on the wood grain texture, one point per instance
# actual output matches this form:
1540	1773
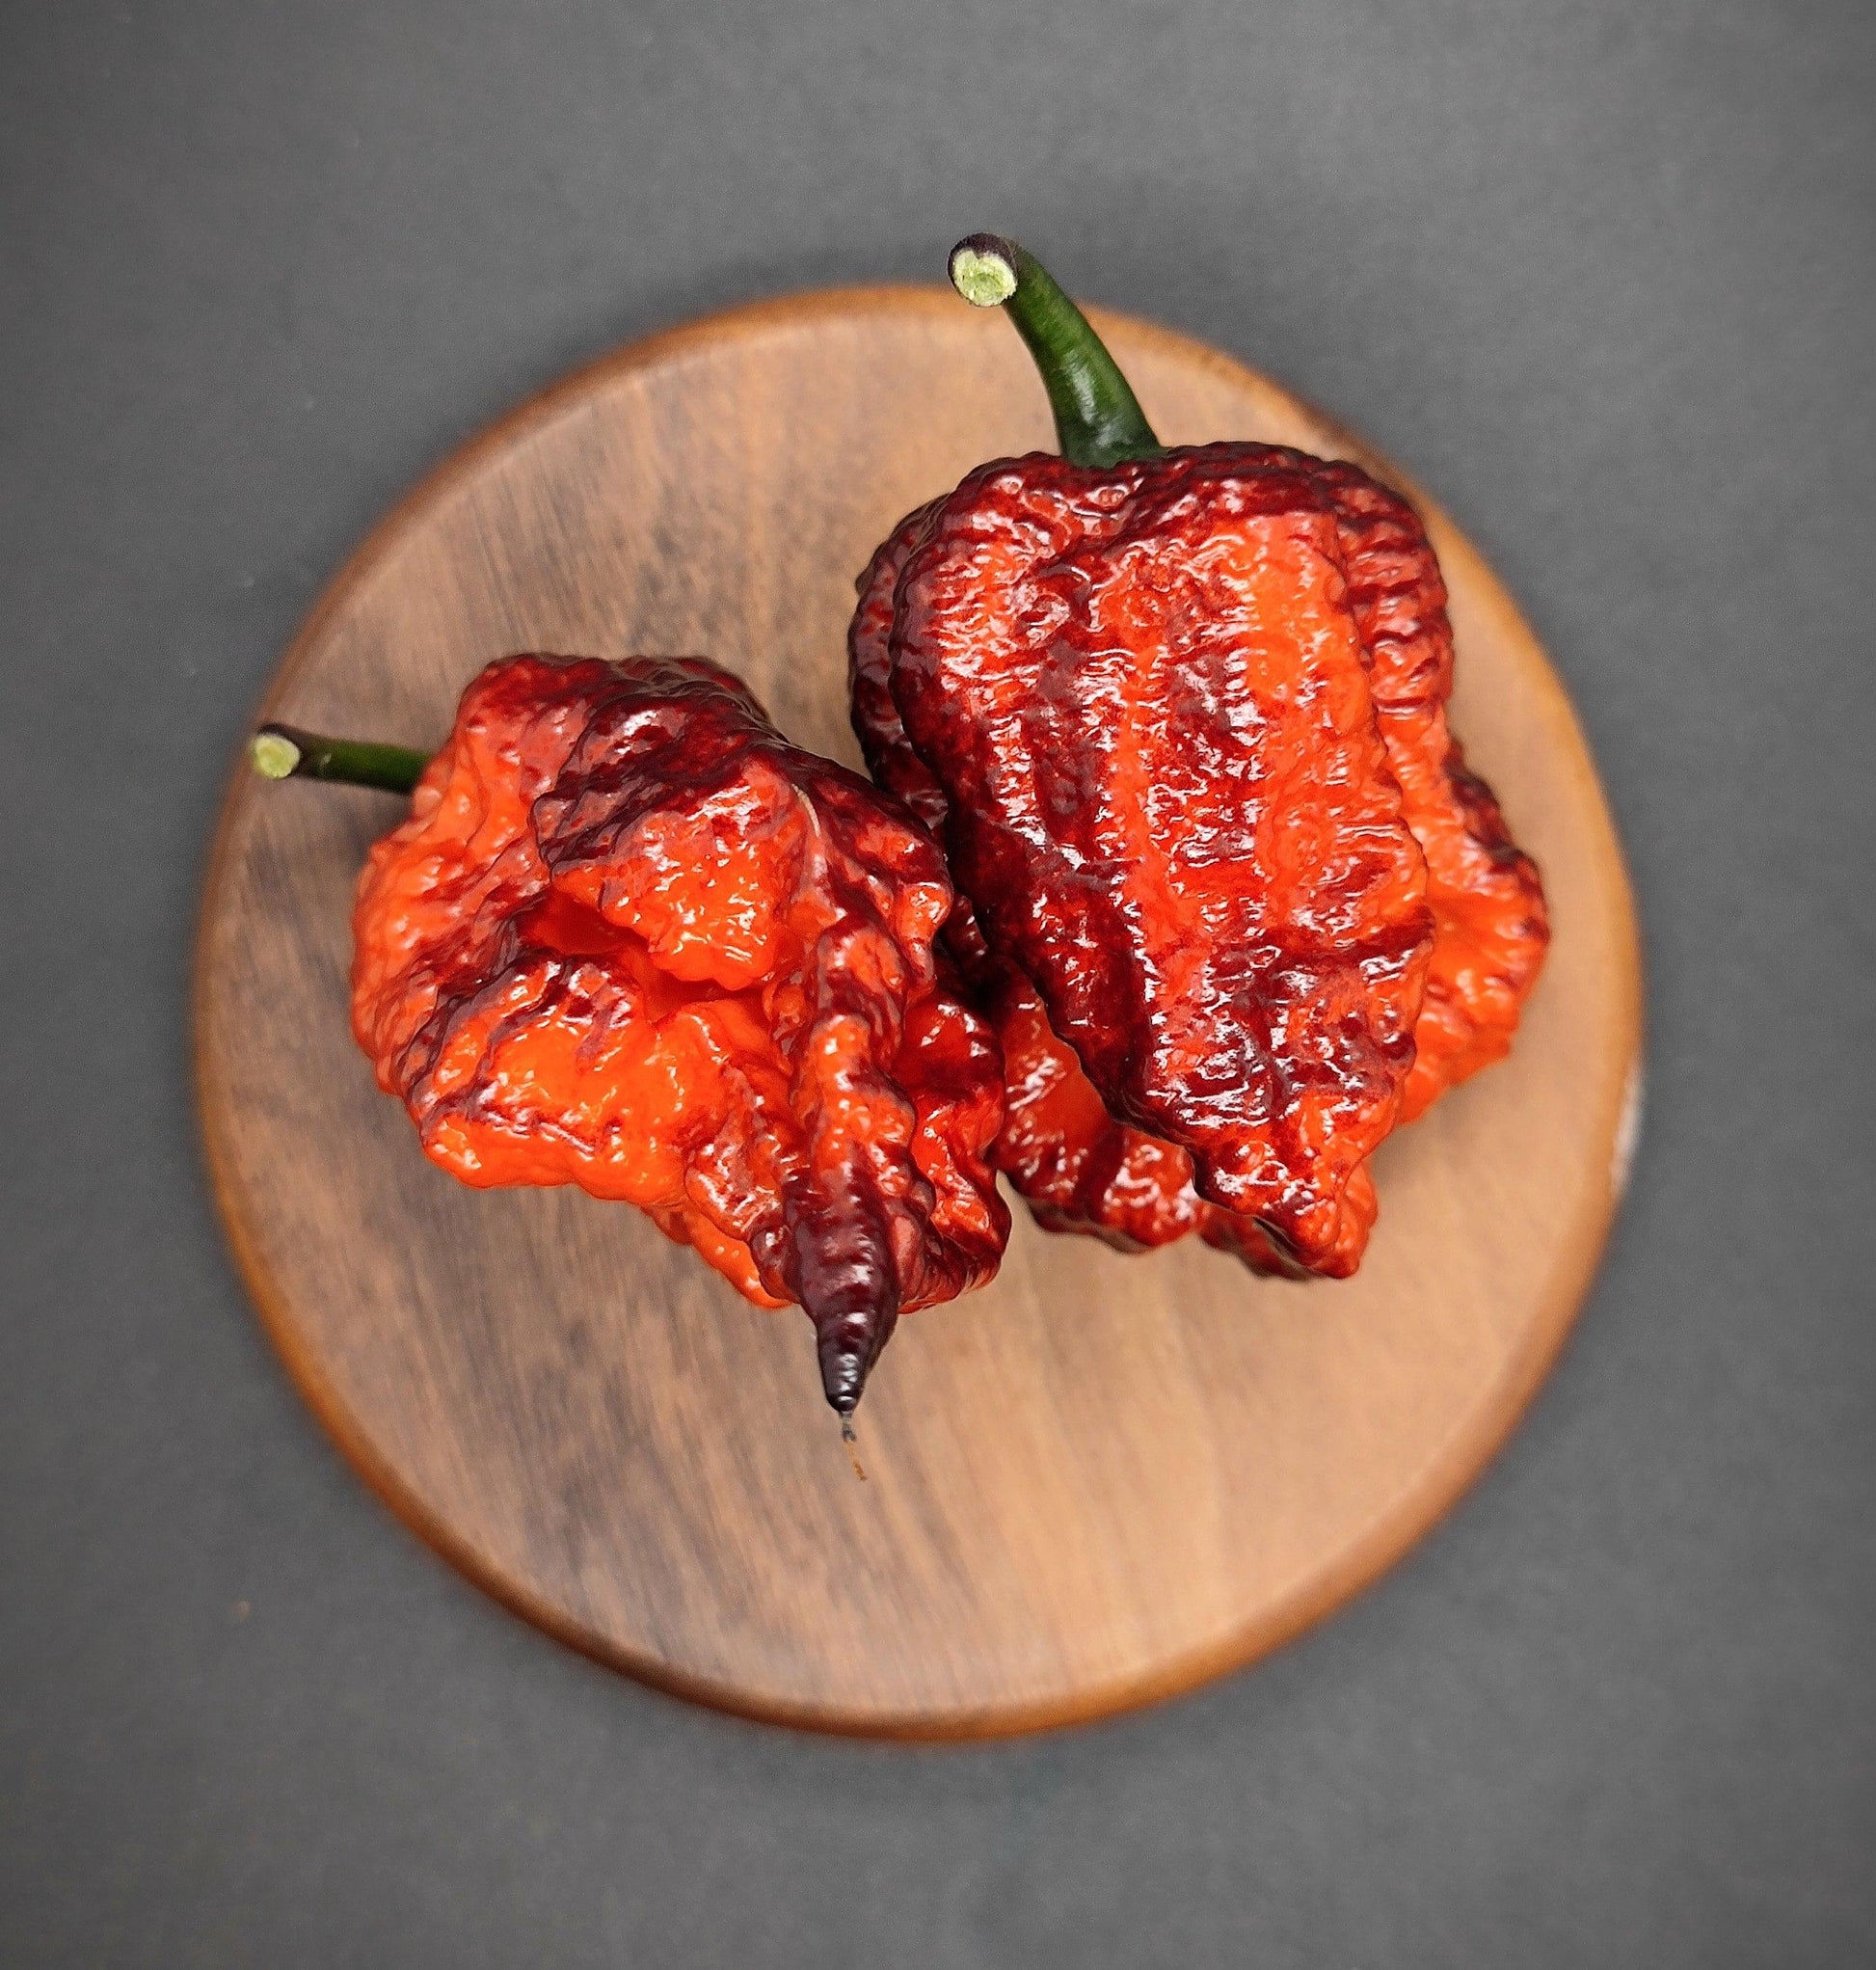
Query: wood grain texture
1104	1479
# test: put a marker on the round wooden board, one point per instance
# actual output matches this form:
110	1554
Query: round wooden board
1104	1479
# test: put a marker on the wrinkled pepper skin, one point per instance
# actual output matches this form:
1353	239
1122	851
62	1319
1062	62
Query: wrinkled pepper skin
1097	675
1078	1169
1491	926
1142	693
630	939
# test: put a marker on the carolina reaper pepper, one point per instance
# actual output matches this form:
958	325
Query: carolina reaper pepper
1079	1168
1181	715
629	937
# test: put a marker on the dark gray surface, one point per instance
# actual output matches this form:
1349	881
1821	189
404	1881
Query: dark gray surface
1602	277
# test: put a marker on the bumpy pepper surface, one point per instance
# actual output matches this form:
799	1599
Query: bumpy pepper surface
630	939
1144	695
1491	926
1080	1169
1077	1166
1086	586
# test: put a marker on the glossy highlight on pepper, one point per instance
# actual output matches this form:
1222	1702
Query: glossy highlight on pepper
630	939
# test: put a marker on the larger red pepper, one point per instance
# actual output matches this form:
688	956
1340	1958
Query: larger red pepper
1181	715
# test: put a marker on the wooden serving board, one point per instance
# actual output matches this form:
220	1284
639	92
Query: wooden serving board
1099	1481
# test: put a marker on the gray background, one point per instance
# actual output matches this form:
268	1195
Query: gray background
1602	277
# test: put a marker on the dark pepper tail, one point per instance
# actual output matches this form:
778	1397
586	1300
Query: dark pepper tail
849	1341
844	1273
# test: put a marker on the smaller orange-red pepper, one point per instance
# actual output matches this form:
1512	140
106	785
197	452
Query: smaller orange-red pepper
630	939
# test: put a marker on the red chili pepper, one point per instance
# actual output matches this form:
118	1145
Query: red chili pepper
630	939
1181	717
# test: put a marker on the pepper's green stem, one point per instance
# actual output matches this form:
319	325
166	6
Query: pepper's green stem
1098	418
280	752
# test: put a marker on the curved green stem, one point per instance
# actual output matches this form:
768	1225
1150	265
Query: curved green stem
1098	418
284	752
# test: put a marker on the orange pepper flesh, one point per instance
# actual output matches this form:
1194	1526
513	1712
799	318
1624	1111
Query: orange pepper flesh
630	939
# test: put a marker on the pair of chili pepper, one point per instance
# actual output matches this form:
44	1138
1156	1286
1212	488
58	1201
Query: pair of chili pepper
1228	906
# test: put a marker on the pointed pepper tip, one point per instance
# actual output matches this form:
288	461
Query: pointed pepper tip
842	1379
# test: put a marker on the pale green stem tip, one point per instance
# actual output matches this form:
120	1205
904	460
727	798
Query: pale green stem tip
274	754
985	280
